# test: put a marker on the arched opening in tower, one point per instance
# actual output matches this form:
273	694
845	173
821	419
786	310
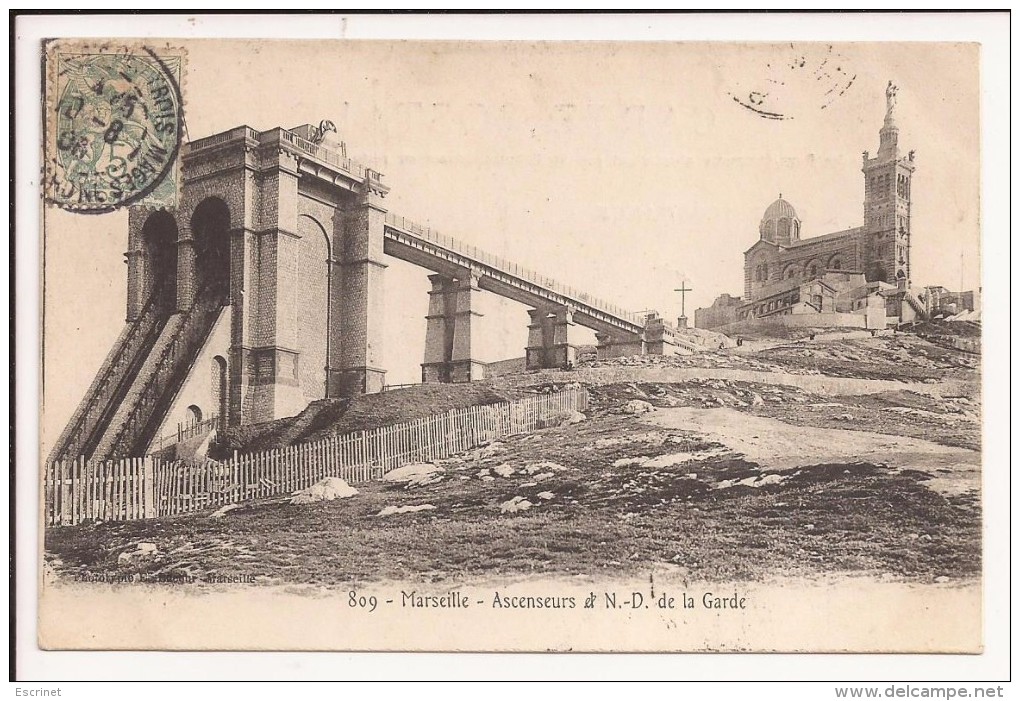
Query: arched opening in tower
313	308
159	234
219	388
210	225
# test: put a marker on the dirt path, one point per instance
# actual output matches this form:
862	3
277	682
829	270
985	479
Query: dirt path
778	445
818	384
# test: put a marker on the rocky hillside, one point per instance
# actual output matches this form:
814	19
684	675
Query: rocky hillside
708	477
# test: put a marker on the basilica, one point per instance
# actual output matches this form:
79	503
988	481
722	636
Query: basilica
858	277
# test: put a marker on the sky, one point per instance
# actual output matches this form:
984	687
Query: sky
620	168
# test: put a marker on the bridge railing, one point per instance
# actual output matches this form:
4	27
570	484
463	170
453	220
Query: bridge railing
507	266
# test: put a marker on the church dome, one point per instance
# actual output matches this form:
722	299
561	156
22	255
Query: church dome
779	209
780	223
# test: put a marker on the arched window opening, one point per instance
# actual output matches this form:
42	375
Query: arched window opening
210	226
159	241
219	387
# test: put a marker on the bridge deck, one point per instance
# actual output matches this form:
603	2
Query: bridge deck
428	248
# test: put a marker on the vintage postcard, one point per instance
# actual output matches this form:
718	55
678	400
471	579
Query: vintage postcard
511	346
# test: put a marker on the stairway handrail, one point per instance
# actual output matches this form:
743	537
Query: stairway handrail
80	420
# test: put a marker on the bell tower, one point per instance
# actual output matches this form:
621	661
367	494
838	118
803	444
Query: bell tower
887	183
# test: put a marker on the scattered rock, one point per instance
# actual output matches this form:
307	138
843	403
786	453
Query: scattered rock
653	437
503	470
671	459
809	527
223	510
561	418
141	550
390	510
627	462
542	476
488	478
545	465
514	505
486	451
756	399
941	579
456	462
761	481
326	489
546	496
415	475
636	406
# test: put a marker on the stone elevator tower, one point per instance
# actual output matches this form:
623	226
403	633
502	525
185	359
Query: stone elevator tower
290	232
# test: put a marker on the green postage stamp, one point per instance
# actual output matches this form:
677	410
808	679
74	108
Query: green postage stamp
113	125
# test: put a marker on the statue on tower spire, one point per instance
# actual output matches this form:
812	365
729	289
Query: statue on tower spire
890	102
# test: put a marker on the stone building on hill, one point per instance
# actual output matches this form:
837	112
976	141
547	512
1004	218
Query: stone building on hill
723	311
855	277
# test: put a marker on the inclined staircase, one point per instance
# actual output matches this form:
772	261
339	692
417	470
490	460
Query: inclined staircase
151	394
112	382
916	304
139	382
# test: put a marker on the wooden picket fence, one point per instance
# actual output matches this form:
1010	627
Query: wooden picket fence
133	488
183	432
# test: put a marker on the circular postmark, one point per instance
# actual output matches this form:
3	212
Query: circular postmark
116	130
795	80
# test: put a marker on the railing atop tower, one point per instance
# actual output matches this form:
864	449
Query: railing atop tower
318	151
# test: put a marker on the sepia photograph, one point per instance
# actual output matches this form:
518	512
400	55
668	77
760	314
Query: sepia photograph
511	346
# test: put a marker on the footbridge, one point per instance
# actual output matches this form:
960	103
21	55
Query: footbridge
461	270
